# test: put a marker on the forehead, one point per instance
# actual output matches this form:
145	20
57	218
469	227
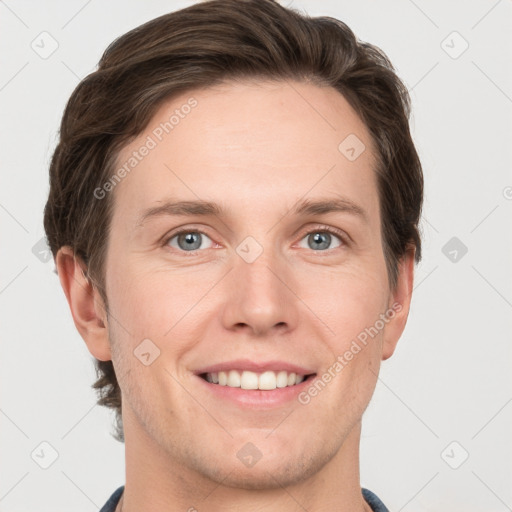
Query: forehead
250	145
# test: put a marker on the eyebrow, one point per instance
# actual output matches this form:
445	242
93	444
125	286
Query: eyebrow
304	207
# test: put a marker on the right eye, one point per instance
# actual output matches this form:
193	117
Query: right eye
187	240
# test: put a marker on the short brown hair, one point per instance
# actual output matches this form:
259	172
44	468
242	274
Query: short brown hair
200	46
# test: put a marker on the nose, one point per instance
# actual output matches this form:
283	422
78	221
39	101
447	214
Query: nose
260	298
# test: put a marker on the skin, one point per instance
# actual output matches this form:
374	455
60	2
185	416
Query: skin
255	148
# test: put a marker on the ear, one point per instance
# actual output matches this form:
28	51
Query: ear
399	302
85	302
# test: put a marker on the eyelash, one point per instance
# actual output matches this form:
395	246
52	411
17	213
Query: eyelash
318	229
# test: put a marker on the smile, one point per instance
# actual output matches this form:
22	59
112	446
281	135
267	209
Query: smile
267	380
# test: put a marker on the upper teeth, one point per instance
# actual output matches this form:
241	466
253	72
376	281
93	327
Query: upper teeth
252	380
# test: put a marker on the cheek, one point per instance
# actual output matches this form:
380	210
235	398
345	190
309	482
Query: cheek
172	310
149	301
346	301
350	304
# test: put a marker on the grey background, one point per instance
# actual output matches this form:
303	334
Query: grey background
445	393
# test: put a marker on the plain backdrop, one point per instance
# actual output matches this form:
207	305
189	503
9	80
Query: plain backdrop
436	436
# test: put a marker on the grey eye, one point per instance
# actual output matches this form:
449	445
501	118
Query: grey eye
188	241
320	240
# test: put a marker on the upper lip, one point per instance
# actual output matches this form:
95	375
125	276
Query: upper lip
253	366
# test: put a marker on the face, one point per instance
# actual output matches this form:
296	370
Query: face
259	279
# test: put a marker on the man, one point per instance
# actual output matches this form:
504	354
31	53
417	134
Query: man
233	213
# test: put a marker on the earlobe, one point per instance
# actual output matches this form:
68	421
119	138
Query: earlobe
400	301
85	303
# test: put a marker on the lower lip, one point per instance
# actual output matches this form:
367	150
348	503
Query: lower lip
255	398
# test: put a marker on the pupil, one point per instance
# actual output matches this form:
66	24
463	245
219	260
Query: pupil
191	240
323	239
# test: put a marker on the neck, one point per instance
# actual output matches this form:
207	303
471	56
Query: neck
159	480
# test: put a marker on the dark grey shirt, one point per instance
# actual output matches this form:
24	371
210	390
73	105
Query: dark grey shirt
371	499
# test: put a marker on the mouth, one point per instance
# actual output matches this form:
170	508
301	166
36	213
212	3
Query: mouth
253	384
256	392
247	380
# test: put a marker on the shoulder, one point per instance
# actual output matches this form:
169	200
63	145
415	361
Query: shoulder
112	502
372	500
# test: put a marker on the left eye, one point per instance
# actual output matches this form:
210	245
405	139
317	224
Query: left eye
188	241
321	239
